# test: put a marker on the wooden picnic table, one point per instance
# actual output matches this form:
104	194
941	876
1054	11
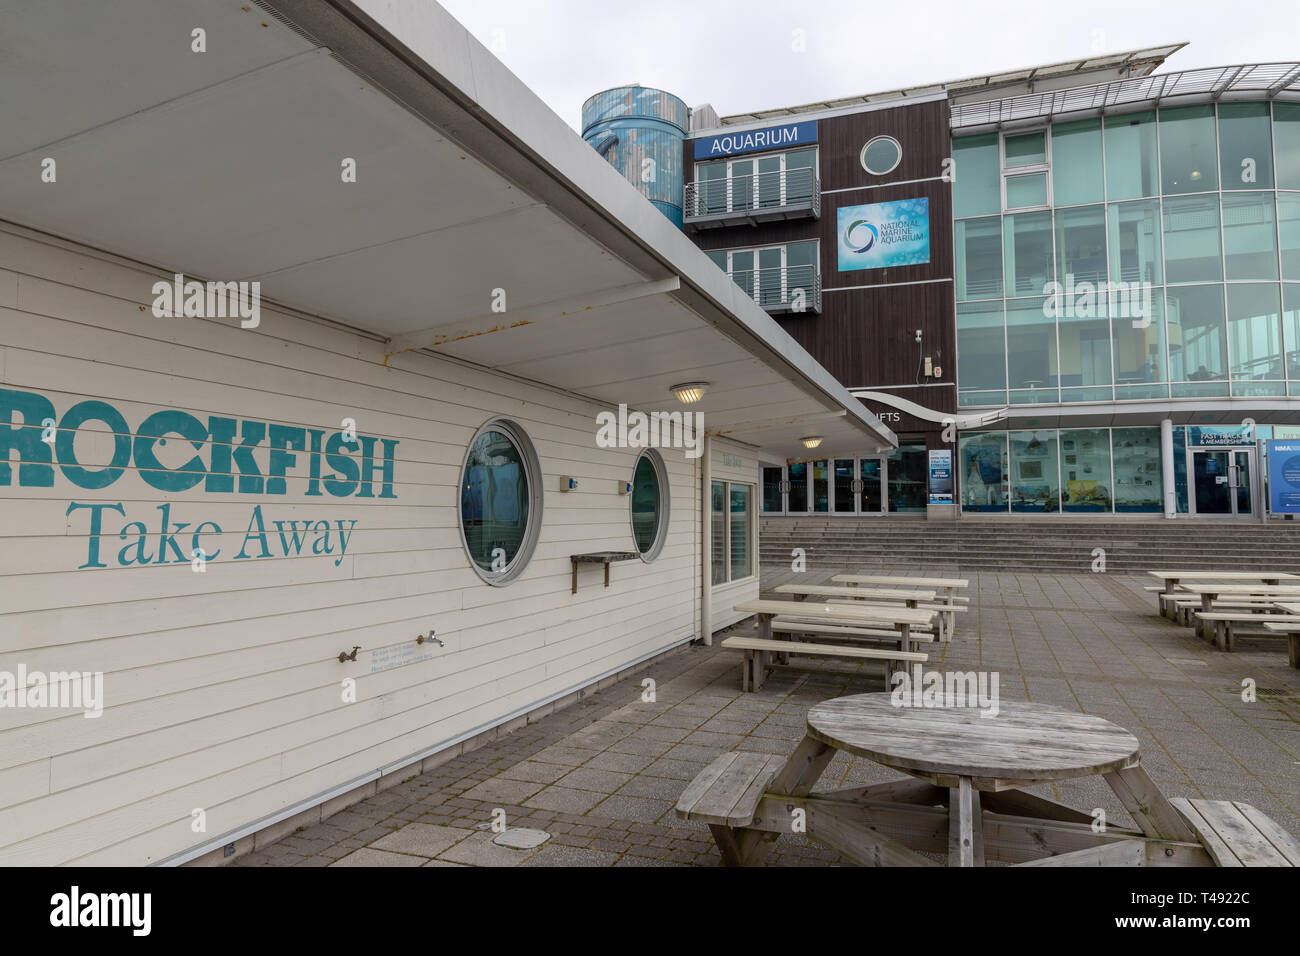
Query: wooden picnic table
967	802
910	598
1173	578
900	618
882	596
1209	593
1293	637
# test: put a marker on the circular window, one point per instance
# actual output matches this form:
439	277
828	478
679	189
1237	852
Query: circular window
649	504
500	501
881	155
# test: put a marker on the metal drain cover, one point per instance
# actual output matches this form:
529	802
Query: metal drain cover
520	838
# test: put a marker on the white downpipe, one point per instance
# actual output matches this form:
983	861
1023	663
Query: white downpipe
1167	467
706	538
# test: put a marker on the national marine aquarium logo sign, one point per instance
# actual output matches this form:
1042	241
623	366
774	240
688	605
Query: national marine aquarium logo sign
753	140
1284	477
880	235
39	447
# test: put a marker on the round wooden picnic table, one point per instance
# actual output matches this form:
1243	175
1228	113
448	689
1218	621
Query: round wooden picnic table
968	751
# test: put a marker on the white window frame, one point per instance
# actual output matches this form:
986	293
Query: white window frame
751	527
862	156
755	157
533	472
1031	169
665	504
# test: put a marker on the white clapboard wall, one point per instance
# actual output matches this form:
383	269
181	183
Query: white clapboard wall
222	688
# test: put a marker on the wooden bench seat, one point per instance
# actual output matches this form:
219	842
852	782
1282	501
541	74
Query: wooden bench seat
1237	834
727	791
1225	632
759	651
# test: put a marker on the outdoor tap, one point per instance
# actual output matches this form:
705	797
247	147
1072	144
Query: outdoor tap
345	656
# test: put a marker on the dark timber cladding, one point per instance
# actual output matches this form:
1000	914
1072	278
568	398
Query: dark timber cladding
866	332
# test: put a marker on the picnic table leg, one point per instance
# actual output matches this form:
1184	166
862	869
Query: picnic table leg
1293	649
965	825
1206	606
575	578
1154	814
796	779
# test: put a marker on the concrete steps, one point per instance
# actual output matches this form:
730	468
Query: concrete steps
1031	544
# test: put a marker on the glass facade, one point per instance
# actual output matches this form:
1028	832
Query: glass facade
1144	256
1218	470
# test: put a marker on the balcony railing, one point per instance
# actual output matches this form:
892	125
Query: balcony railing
753	198
791	289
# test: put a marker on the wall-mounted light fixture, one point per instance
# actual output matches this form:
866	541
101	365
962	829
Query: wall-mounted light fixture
811	441
688	393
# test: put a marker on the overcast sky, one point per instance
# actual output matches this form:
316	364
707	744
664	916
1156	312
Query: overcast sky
740	55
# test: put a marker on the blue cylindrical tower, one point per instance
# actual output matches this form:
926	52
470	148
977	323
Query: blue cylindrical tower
640	131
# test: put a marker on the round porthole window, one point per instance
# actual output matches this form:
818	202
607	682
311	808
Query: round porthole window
881	155
500	501
649	504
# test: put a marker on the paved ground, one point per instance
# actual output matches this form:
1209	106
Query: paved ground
602	776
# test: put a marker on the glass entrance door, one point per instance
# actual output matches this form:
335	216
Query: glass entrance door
1222	481
773	490
797	488
845	486
871	475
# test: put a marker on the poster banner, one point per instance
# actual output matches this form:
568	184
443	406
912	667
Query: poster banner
941	476
880	235
1284	477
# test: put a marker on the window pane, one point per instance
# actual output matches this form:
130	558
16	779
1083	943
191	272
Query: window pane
494	499
821	486
981	347
983	470
742	552
1188	163
801	254
1138	484
1076	163
908	477
1192	239
977	188
1286	144
1035	471
1027	252
1139	348
1025	191
1081	244
1135	254
1026	149
1291	328
1245	146
979	258
1197	338
1083	338
1085	468
1131	156
712	187
645	504
1031	350
1254	331
1288	212
718	532
1249	236
772	478
719	259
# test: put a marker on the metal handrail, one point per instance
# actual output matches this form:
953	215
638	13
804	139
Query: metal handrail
1267	79
797	288
753	192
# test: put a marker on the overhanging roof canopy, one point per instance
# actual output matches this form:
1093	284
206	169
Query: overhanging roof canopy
226	165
